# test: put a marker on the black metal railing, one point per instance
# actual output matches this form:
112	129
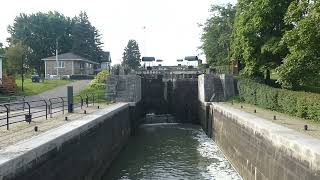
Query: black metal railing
26	111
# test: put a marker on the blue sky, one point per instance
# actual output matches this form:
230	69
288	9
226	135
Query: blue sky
171	25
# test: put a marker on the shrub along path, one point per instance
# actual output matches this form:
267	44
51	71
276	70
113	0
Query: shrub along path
301	104
291	122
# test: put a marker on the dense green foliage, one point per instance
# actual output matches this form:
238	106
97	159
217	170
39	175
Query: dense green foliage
301	66
86	38
131	55
216	34
2	53
17	54
115	69
40	33
258	29
279	36
301	104
99	95
100	80
2	50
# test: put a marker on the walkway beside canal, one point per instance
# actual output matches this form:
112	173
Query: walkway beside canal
60	91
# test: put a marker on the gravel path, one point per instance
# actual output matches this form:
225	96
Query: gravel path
60	91
291	122
23	130
38	108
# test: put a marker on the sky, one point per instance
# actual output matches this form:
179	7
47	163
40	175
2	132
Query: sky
164	29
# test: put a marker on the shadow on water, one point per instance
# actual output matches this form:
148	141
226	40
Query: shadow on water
170	151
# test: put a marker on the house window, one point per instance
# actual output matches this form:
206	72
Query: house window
61	64
81	65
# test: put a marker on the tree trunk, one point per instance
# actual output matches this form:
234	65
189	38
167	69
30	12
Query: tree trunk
22	72
268	75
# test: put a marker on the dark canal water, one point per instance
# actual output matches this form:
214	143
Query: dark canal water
170	151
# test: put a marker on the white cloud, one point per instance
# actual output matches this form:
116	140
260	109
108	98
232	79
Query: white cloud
171	25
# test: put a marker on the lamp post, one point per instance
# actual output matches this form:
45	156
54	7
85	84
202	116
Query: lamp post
145	39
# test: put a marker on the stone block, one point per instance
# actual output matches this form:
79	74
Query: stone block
124	88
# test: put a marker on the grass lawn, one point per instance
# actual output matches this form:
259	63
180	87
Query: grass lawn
99	95
31	88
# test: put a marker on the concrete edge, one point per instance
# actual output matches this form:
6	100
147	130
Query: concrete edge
20	154
300	146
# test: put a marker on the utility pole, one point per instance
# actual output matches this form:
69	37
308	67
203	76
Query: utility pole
145	42
57	61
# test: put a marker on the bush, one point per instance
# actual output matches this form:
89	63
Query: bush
99	81
302	104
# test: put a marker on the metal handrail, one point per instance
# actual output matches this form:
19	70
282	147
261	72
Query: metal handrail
48	107
92	95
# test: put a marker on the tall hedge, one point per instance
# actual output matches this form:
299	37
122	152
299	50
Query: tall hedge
301	104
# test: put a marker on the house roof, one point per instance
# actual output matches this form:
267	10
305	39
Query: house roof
107	57
68	57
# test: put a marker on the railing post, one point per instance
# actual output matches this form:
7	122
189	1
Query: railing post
70	99
50	108
46	108
87	100
29	111
24	100
29	107
81	101
98	98
7	116
62	105
93	99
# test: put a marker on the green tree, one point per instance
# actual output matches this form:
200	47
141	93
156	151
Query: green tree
39	32
302	64
131	55
2	53
258	29
2	50
86	38
217	33
16	56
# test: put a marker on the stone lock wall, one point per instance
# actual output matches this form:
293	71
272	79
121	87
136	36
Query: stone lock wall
124	88
261	150
215	88
81	149
257	148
